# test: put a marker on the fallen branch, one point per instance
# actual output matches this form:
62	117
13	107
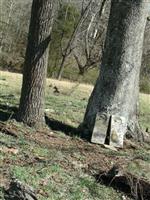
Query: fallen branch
4	128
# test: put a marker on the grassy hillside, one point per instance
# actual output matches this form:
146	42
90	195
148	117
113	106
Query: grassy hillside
70	105
54	160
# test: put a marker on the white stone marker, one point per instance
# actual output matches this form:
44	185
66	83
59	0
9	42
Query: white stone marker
118	128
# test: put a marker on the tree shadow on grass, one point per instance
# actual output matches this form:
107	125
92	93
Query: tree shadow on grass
7	112
59	126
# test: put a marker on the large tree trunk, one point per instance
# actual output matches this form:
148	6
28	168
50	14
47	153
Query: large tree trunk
31	110
117	87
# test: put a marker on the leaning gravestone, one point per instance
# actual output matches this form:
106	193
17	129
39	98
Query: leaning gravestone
109	130
100	129
118	130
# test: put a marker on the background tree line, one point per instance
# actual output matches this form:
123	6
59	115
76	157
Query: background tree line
78	31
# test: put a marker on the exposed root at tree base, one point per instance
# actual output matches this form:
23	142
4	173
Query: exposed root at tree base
135	187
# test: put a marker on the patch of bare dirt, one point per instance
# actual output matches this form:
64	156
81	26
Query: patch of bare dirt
93	156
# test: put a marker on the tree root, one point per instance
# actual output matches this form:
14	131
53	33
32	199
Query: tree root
19	191
136	187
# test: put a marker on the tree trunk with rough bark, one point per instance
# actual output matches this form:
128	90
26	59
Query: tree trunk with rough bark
117	87
31	110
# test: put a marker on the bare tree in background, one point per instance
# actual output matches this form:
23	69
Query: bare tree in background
14	20
31	108
6	23
92	40
87	11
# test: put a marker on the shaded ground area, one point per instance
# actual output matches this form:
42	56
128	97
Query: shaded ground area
56	125
7	112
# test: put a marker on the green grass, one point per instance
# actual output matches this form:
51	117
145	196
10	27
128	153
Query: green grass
69	106
139	168
67	109
57	183
56	165
49	178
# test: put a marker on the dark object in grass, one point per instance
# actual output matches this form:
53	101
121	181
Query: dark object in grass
136	187
56	91
147	130
19	191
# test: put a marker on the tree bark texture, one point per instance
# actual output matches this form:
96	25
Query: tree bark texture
31	109
117	87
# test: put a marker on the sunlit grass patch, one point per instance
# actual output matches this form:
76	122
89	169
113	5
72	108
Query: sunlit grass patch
69	105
